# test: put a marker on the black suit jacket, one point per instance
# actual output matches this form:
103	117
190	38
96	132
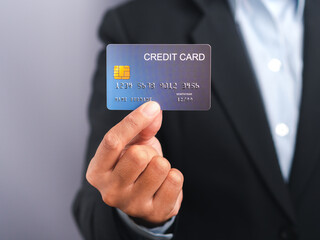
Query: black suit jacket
233	184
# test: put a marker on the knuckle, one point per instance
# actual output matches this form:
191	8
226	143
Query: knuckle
161	164
110	197
90	178
111	141
175	177
131	122
91	175
175	211
138	155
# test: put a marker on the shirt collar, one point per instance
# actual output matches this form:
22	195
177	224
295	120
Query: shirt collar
234	4
300	7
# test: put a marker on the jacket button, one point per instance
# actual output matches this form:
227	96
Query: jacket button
288	233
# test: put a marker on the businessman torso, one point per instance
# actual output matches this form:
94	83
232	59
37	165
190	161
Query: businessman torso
233	184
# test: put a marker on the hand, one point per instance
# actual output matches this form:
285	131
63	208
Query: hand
130	171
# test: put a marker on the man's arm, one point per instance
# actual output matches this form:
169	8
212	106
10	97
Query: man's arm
96	219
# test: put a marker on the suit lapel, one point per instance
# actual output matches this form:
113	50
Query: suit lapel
235	86
308	136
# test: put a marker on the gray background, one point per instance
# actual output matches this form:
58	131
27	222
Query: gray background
47	58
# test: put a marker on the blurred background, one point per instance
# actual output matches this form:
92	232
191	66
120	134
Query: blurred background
48	51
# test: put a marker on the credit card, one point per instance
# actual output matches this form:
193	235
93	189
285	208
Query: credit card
177	76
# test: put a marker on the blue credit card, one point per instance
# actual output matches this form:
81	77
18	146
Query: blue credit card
177	76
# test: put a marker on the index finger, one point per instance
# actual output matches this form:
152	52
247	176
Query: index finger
121	134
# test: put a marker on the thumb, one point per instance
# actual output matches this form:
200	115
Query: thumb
149	132
146	136
152	129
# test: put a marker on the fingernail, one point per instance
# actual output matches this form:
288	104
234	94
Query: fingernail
151	108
